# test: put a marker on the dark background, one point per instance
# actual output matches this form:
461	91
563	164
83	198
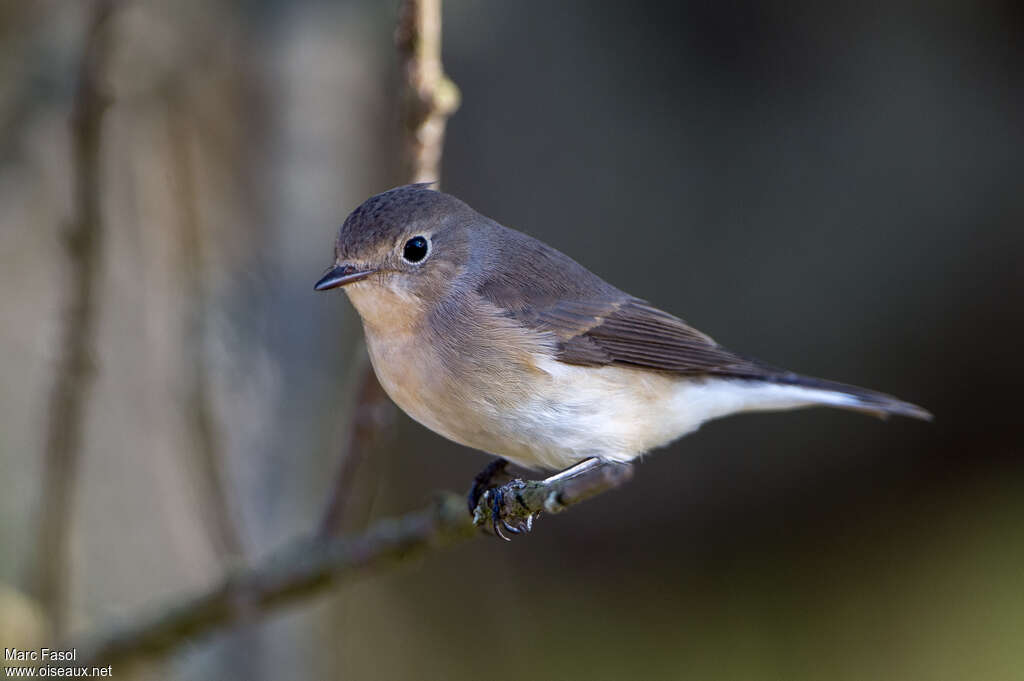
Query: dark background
829	187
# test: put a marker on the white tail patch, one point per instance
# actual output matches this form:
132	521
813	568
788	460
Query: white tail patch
703	400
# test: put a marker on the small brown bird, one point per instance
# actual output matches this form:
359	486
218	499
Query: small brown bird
501	343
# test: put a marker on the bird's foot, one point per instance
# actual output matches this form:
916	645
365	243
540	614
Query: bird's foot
512	507
505	510
499	505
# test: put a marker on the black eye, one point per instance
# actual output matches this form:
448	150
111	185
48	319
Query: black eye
416	249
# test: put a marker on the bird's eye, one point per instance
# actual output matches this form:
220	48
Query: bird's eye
416	249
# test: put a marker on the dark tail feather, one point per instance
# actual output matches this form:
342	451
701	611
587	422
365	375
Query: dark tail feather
852	397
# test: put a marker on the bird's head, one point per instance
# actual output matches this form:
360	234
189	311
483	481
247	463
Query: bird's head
398	252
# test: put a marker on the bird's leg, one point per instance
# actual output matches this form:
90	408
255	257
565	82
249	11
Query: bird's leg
574	470
584	480
484	480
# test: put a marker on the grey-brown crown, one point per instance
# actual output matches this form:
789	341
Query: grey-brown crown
386	216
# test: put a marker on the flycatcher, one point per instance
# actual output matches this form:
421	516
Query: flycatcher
501	343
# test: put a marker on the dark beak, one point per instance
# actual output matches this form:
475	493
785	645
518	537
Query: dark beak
339	275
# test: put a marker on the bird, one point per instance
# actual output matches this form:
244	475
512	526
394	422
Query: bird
499	342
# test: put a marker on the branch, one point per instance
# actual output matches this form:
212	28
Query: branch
372	414
311	566
75	369
207	451
430	97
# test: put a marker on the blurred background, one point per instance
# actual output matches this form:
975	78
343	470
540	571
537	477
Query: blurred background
830	187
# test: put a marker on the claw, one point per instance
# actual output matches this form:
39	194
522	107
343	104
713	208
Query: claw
529	522
497	497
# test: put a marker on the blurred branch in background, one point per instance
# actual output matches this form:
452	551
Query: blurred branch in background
311	566
429	98
207	447
74	372
372	414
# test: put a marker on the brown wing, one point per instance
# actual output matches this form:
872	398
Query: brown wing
594	322
631	331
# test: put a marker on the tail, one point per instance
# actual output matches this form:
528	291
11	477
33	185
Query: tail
813	391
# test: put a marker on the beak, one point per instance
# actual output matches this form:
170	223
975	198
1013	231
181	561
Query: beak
339	275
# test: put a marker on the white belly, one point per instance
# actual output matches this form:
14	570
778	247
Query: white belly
612	412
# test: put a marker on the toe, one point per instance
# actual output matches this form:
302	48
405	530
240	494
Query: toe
497	499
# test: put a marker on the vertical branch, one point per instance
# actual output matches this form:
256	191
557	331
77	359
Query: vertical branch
207	449
428	99
75	370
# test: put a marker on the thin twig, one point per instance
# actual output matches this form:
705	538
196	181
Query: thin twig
429	97
371	415
75	370
208	451
310	566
